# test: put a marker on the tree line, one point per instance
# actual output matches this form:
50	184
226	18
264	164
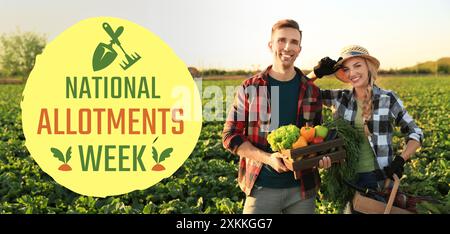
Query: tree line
18	52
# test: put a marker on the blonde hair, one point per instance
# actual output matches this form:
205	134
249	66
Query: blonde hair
368	97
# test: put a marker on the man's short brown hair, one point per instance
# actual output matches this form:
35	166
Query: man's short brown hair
286	23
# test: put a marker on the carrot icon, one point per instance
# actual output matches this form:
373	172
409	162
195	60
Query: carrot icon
158	159
59	155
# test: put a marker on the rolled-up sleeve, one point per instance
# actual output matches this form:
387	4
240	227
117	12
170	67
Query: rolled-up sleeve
233	134
407	124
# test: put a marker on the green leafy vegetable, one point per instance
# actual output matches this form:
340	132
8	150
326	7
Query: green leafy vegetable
283	137
333	187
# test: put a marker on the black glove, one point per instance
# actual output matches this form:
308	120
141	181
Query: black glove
326	66
396	167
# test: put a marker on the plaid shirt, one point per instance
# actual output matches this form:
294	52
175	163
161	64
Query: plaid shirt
388	109
249	119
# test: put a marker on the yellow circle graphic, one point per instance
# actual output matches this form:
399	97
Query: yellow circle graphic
109	108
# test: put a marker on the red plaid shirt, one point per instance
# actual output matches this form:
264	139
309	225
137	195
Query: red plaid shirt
249	120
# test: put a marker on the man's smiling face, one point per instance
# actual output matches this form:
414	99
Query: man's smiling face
285	46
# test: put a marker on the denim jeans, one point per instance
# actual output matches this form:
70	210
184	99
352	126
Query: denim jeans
368	180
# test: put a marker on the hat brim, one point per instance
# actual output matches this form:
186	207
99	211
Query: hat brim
340	74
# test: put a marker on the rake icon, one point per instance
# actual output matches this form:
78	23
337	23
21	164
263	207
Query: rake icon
105	54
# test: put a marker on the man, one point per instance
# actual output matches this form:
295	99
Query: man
280	95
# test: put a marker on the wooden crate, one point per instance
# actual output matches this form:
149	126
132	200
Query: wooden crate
367	205
309	156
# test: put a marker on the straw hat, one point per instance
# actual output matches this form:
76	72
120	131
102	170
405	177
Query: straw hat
350	52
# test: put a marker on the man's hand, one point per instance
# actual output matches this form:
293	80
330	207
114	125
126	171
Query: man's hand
276	162
326	66
396	167
325	162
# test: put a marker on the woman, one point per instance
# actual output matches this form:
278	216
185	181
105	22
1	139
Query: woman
372	111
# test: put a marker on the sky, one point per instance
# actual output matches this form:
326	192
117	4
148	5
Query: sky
233	34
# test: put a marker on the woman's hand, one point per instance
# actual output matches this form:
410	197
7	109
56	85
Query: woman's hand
326	66
396	167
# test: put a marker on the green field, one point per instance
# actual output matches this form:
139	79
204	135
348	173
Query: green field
206	183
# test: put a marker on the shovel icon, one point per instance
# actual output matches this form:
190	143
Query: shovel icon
105	54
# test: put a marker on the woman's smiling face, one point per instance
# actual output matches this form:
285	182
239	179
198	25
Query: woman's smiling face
357	71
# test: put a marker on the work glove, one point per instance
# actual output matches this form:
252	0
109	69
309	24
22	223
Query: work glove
396	167
326	66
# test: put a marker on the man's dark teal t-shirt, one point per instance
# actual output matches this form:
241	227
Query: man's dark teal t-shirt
288	92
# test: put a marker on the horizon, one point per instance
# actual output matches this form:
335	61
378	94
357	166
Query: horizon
399	33
395	69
